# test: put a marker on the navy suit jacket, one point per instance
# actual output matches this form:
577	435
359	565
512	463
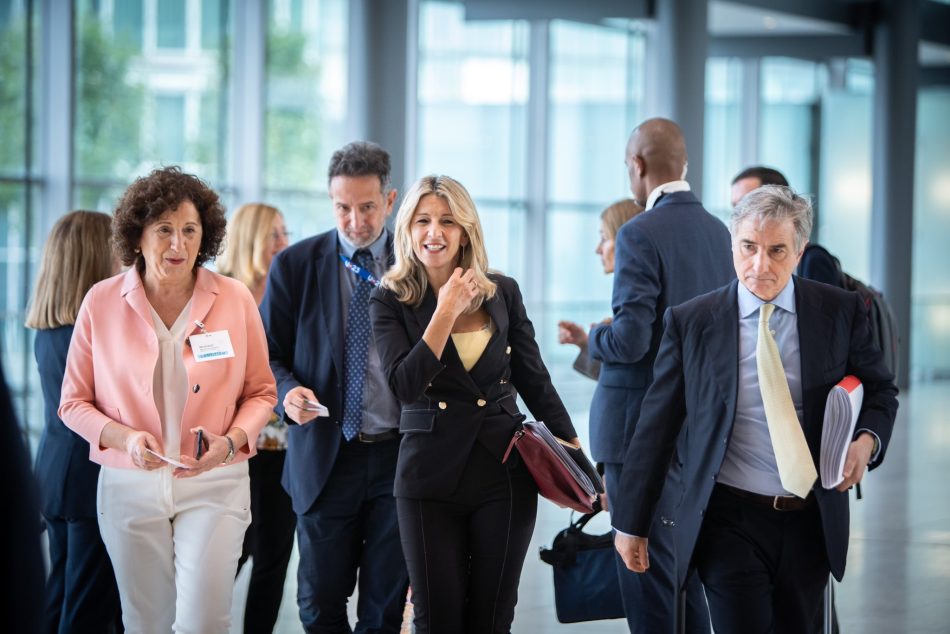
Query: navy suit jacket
303	317
446	409
22	561
664	256
66	476
696	385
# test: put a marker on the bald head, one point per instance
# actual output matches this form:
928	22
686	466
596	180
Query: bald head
656	154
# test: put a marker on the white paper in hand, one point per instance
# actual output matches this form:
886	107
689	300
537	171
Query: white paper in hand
170	461
841	414
313	406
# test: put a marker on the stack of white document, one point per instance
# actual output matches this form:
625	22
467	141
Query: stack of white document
841	414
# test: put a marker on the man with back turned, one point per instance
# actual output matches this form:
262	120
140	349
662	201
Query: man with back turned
672	252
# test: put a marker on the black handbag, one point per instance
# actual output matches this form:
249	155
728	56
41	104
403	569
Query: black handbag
586	586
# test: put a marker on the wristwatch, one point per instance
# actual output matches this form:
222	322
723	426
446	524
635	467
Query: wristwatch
228	458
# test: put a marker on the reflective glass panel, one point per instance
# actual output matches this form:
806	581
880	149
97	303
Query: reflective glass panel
147	100
473	92
305	107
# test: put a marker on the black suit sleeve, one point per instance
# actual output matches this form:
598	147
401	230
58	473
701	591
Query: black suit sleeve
648	457
866	362
528	372
409	365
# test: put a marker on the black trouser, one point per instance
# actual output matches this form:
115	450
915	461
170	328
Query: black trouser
650	598
81	592
350	532
764	570
465	553
269	541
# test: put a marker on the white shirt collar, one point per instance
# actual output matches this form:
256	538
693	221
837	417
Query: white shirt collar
665	188
749	303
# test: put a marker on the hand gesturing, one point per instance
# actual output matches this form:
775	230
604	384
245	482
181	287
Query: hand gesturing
458	293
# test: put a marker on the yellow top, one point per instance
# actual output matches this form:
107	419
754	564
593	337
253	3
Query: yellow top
471	345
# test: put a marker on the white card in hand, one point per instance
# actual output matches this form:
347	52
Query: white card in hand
170	461
313	406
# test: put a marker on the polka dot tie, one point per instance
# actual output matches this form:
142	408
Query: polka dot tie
356	348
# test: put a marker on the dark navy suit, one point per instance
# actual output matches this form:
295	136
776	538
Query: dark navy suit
81	592
341	492
22	563
696	388
665	256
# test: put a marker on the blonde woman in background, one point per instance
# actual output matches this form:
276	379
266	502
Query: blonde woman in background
256	233
611	220
81	592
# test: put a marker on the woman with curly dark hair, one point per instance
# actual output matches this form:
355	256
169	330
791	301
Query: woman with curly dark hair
167	378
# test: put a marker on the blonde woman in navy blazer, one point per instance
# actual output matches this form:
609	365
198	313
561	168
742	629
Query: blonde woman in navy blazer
457	348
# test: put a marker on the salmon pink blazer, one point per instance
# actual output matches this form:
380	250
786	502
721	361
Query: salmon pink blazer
112	356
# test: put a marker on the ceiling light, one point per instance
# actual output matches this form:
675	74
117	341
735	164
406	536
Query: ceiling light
769	23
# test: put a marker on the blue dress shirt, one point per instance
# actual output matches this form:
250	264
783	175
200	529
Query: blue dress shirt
750	461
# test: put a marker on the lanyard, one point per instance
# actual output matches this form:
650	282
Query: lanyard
359	270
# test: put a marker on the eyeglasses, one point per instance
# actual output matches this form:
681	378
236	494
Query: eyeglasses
277	234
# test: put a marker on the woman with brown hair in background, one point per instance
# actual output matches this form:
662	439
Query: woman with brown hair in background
611	220
81	592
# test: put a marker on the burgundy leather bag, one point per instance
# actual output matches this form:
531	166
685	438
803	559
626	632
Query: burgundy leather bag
562	472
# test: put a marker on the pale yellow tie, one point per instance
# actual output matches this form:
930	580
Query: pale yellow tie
795	466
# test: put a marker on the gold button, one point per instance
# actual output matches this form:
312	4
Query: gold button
481	402
508	350
442	405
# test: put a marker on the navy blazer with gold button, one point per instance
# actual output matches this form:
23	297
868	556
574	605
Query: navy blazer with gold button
446	409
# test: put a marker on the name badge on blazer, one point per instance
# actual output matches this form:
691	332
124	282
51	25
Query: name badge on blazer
209	346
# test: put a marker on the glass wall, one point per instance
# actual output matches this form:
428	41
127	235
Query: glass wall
150	90
471	113
722	142
790	93
844	198
305	108
594	101
473	110
19	158
930	316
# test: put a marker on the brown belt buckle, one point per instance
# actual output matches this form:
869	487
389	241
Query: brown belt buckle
787	503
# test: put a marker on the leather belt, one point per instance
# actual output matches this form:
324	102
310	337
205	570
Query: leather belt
389	434
777	502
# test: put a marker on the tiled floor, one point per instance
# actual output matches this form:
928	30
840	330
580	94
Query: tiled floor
898	577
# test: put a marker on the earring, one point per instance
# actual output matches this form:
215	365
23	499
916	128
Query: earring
462	254
138	250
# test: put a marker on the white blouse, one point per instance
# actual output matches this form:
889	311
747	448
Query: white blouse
170	382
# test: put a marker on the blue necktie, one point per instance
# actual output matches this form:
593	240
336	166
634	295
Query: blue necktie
356	349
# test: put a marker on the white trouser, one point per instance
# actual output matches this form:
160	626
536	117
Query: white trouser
174	545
